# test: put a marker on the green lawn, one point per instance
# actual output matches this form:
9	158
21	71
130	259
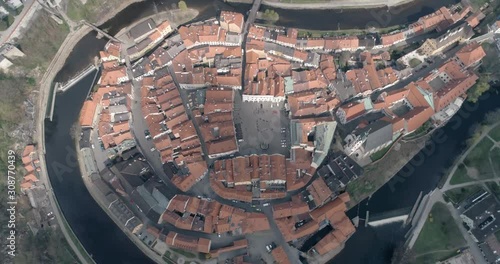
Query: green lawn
497	235
478	158
458	195
439	238
379	154
494	188
460	175
40	42
184	253
92	11
414	62
495	158
495	133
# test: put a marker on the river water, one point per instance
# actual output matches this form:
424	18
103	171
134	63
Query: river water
421	174
95	230
108	244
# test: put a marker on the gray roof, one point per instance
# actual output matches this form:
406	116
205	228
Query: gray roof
343	87
486	217
268	46
313	58
377	134
118	109
142	28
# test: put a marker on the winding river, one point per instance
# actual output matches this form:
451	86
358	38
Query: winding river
108	244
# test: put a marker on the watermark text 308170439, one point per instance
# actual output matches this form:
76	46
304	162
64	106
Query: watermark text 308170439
11	202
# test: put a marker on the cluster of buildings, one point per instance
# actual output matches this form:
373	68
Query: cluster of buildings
31	165
440	20
173	133
8	53
439	95
108	113
296	221
191	213
480	215
160	242
10	8
147	35
202	55
204	62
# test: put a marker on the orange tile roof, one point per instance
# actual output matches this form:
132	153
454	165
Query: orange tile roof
87	113
471	54
289	209
28	150
111	77
340	43
319	191
327	210
280	256
390	39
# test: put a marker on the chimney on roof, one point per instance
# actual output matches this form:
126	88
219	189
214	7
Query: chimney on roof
216	132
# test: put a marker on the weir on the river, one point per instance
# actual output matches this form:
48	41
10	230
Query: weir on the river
107	243
63	87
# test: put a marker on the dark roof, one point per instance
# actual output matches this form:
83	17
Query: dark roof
377	134
133	152
486	217
107	174
142	28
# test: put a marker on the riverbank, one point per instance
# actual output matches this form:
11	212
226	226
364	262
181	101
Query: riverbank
100	198
336	4
45	88
379	173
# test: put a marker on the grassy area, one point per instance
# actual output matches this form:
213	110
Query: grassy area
497	235
439	238
478	159
458	195
184	253
380	154
92	11
460	175
476	4
40	42
414	62
495	133
47	246
360	187
494	188
495	158
487	72
422	130
340	32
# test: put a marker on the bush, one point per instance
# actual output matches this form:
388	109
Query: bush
182	5
478	89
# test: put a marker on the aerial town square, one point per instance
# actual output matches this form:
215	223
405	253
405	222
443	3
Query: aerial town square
232	137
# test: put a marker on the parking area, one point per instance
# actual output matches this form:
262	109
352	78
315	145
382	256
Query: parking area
257	246
262	127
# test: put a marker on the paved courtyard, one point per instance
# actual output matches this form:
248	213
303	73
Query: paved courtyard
262	127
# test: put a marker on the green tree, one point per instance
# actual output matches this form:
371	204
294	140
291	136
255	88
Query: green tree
182	5
10	20
478	89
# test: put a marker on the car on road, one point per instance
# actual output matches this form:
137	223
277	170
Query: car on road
147	134
270	247
266	204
